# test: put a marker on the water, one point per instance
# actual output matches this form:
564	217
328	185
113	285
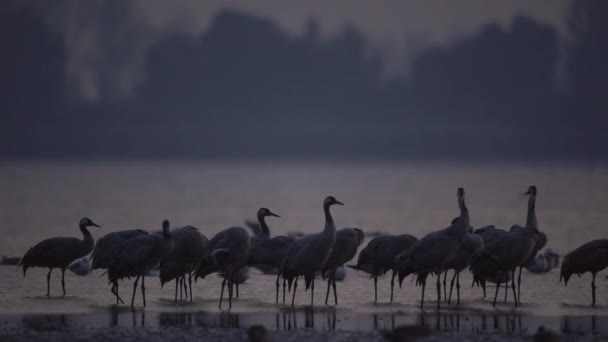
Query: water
41	200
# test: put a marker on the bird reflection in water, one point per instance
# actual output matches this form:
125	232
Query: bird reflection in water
229	319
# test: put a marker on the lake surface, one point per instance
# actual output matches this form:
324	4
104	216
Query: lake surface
41	200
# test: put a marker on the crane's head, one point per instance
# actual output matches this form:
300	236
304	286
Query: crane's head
166	225
86	222
460	192
264	212
331	200
531	190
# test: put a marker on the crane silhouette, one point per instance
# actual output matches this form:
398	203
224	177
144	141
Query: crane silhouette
189	248
227	253
431	253
590	257
345	247
138	256
268	253
59	252
307	255
379	256
106	249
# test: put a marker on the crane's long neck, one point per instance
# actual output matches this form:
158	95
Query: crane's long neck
88	237
264	226
166	234
531	218
329	221
463	220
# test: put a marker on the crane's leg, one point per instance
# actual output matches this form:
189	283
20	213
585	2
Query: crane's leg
328	288
181	291
518	299
176	286
63	280
513	286
190	284
506	289
445	295
185	286
393	284
236	285
333	282
295	286
278	284
229	293
497	288
593	290
134	290
143	288
458	287
284	286
483	286
230	287
222	292
438	290
375	289
452	286
118	299
422	299
48	283
312	291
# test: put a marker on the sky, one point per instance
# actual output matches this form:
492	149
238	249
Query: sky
313	79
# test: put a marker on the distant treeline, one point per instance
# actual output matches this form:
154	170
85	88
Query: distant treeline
246	89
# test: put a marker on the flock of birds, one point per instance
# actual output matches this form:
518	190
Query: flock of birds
491	254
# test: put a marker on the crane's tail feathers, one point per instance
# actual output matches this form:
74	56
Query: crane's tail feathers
308	282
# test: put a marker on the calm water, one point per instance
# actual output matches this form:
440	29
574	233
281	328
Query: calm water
43	200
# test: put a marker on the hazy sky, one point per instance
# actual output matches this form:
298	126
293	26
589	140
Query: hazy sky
398	28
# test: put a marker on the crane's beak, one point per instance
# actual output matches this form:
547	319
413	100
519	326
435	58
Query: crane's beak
95	225
270	213
338	202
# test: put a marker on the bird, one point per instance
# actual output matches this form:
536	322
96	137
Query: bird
378	257
545	335
340	274
407	333
106	249
515	248
307	255
531	230
59	252
485	269
139	255
227	253
189	248
538	265
5	260
80	267
109	245
258	333
345	247
471	244
431	253
267	253
552	258
590	257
